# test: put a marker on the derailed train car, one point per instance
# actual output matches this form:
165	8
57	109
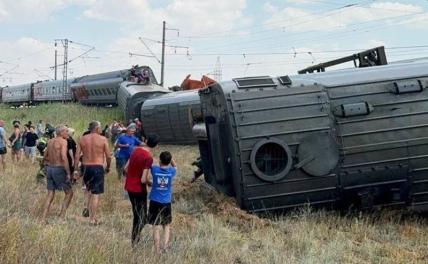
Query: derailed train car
344	138
98	88
172	116
132	95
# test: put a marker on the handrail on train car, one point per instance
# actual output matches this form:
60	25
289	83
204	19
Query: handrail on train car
367	58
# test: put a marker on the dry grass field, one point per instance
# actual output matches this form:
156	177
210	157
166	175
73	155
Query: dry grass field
207	227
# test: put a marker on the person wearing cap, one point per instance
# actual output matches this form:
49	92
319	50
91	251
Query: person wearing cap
126	143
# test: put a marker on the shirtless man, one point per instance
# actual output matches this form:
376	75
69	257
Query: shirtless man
95	152
58	177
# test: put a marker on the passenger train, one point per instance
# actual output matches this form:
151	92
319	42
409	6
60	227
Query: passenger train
128	88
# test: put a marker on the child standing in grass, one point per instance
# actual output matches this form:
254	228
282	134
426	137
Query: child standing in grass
160	199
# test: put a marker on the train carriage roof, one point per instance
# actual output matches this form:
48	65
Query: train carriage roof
132	88
175	97
350	76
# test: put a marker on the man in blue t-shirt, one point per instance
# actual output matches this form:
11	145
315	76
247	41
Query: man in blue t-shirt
126	144
160	198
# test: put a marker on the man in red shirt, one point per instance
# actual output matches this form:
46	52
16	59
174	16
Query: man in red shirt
137	168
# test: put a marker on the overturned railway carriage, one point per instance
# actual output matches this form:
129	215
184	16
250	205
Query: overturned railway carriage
345	138
172	116
131	96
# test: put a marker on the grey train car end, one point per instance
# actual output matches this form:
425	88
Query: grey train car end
343	138
131	96
172	116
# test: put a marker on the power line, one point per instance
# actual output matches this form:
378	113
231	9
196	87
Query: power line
275	37
216	34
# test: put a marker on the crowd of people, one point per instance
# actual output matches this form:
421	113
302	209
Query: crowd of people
66	161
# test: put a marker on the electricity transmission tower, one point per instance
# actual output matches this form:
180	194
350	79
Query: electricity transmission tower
217	74
64	43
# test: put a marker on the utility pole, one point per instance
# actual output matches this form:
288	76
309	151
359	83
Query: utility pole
64	43
163	54
56	62
65	67
164	45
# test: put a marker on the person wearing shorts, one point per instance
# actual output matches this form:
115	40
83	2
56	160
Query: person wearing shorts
58	171
57	179
93	178
31	141
16	143
160	213
3	144
94	151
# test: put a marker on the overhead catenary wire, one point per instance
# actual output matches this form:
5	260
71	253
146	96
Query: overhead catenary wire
289	36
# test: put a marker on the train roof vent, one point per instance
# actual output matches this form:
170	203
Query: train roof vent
254	82
284	80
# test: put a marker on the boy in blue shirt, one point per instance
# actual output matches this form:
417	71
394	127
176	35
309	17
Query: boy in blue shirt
160	198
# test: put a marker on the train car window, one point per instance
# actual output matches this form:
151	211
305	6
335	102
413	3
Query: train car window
271	159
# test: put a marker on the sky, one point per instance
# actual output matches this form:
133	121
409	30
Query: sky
239	37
